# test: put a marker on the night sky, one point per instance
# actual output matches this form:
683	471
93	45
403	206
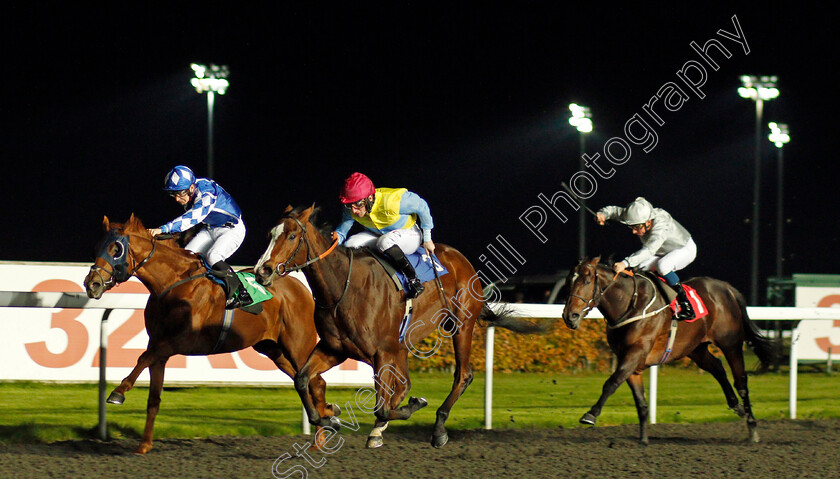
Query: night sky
466	106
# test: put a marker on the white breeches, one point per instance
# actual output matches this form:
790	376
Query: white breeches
217	243
672	261
407	239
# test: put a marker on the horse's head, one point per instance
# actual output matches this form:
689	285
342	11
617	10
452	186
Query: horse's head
288	247
114	261
584	292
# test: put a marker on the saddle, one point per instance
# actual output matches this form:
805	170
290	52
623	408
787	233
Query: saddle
241	290
670	294
424	268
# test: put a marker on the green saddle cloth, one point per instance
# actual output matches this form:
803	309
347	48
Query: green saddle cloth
256	290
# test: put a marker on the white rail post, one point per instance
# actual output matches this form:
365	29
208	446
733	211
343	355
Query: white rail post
488	375
305	426
654	382
794	370
103	386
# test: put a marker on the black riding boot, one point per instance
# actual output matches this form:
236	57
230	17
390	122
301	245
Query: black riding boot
686	310
235	291
415	287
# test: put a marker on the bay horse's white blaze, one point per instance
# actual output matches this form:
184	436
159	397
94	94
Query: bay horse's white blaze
275	232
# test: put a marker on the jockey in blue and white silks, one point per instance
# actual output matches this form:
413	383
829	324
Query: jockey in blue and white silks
209	205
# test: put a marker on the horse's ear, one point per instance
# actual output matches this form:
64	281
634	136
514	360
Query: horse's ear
305	214
106	224
287	210
595	260
131	218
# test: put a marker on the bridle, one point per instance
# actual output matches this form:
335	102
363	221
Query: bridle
597	291
285	268
118	261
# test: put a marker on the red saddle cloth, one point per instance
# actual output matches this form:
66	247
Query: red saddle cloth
700	309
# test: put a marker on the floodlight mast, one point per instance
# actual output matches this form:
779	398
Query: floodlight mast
779	136
581	119
759	90
210	79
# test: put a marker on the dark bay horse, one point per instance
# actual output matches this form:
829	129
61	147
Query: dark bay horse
639	329
359	311
185	313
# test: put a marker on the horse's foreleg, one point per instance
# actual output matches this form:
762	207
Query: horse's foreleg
319	361
392	384
708	362
117	396
735	358
637	386
462	342
627	366
156	371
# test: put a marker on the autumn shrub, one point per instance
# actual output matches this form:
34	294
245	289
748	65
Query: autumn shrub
560	349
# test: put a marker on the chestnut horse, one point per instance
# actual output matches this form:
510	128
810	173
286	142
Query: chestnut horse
359	314
639	329
185	313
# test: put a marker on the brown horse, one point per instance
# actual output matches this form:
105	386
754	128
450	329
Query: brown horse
185	313
639	329
359	314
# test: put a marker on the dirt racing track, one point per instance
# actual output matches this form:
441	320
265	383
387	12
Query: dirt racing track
788	448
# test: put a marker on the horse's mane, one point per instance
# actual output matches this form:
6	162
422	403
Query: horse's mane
135	226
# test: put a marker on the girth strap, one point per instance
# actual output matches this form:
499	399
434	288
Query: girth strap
226	324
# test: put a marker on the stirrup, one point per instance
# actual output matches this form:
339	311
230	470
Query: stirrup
686	312
415	288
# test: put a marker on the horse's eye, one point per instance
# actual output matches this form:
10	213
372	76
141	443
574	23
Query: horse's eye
292	236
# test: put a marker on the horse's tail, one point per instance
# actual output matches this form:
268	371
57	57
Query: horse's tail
761	345
505	317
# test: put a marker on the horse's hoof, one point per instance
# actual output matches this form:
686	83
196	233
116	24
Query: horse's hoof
116	398
589	419
417	403
439	441
143	448
374	442
333	423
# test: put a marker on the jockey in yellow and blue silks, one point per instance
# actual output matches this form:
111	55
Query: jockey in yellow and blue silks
396	221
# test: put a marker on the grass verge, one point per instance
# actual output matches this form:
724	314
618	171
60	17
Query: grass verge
35	412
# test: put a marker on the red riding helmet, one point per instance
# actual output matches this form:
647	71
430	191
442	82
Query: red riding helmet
356	187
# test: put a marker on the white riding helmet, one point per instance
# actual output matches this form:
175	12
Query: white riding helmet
637	212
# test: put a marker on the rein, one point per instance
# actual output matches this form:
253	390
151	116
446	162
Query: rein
645	313
285	265
283	269
597	292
